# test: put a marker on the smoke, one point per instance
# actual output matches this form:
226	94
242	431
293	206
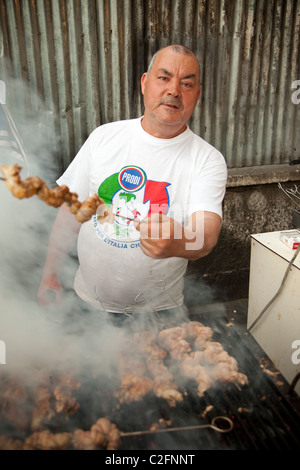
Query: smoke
34	335
23	238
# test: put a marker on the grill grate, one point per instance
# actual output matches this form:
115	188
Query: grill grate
264	418
264	415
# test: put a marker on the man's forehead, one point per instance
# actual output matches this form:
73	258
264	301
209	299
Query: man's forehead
169	60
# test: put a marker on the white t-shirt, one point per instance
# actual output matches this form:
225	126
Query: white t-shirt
139	174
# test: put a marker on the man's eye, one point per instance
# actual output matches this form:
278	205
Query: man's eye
163	78
187	84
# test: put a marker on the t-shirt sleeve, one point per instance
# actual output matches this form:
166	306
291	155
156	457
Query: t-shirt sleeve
209	184
76	176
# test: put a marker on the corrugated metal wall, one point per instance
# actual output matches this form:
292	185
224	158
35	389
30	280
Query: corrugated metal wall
85	59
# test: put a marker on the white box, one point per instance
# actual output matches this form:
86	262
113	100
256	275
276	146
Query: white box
278	330
291	238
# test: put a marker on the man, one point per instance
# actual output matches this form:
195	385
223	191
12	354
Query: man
165	187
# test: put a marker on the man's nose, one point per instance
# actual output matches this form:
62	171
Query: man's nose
174	88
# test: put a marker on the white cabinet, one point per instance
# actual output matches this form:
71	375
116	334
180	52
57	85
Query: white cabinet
278	329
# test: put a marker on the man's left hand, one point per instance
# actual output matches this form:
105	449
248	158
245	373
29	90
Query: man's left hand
164	237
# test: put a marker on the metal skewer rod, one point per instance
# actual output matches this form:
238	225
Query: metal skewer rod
212	425
124	217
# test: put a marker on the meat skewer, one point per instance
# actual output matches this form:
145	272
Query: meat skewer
163	384
42	411
32	185
228	426
45	440
209	362
13	404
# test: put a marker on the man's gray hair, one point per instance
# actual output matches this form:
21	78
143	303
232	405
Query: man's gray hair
175	48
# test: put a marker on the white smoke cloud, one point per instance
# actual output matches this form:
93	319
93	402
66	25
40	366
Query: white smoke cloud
32	334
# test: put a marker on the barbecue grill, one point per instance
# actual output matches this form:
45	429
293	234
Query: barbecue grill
263	415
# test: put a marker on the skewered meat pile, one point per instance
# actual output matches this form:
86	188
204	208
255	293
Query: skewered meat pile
201	359
103	434
45	440
134	386
42	411
8	443
164	386
52	197
146	374
186	352
65	401
50	398
14	396
55	398
13	404
164	365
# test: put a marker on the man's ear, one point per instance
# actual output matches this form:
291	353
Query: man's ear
143	82
199	93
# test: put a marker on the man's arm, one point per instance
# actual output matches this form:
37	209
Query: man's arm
62	238
163	237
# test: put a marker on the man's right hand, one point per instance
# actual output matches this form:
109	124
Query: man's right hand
50	290
62	239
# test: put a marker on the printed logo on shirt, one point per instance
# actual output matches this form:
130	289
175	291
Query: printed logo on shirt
131	178
130	196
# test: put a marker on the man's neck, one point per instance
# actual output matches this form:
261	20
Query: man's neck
162	131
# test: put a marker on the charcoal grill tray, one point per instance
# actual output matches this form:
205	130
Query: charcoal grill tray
264	416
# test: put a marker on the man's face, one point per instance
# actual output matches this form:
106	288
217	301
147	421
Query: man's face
171	91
